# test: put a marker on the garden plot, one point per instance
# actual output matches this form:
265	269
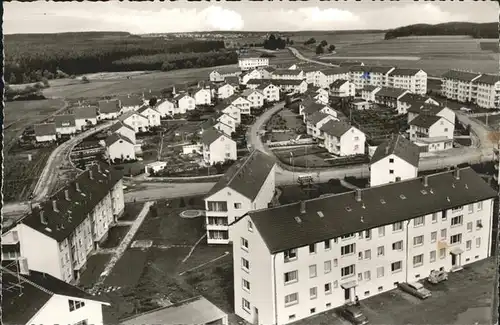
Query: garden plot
286	125
307	156
378	124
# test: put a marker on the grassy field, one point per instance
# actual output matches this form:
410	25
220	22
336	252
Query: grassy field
115	236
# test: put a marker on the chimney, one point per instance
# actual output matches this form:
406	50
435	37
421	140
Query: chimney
302	207
66	195
362	220
77	186
456	173
358	195
425	180
387	150
43	218
54	206
91	176
98	168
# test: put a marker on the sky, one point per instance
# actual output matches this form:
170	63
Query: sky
183	16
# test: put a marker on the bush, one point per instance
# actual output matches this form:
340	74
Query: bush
182	204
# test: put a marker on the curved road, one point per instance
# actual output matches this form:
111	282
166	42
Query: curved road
299	56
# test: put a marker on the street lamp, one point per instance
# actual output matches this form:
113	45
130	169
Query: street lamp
293	168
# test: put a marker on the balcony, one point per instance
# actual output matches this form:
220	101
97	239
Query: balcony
11	238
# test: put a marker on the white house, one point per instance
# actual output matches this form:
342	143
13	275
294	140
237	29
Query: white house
45	132
389	96
123	129
228	120
109	109
291	85
431	109
252	74
368	93
247	63
240	102
488	91
219	74
202	96
69	226
432	127
135	120
270	91
255	96
414	80
85	117
288	74
248	185
410	101
130	103
325	77
343	139
315	121
65	124
217	147
225	90
46	300
119	147
294	261
266	72
309	107
394	160
155	167
165	107
185	103
152	114
230	110
320	95
342	88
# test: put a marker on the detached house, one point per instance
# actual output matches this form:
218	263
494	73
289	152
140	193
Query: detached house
248	185
153	116
123	129
166	108
65	124
433	132
315	121
213	123
252	74
137	121
225	90
217	147
156	94
255	96
219	74
270	91
202	96
228	120
85	117
130	103
309	107
230	110
266	72
240	102
69	226
119	147
394	160
185	103
368	93
389	96
109	109
343	139
342	88
45	132
430	109
411	101
320	95
288	74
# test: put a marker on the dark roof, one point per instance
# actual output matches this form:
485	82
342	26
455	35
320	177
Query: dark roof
247	175
125	116
118	125
226	70
115	137
369	88
85	112
268	69
359	68
145	107
287	82
425	120
262	86
210	135
62	223
223	84
287	72
390	92
337	83
313	107
60	120
45	129
422	108
399	146
350	64
335	70
232	80
183	87
37	288
259	81
180	96
487	79
410	97
316	117
153	94
336	128
380	69
404	72
127	101
109	106
280	229
460	75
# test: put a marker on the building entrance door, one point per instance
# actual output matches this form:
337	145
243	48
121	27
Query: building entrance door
347	294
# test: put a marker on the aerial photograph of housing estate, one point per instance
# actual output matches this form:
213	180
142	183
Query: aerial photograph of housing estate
266	163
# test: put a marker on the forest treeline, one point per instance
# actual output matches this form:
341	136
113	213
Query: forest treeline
475	30
35	57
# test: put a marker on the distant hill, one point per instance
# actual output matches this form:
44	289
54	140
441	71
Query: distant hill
68	35
483	30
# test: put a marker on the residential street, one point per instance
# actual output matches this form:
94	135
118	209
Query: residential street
299	56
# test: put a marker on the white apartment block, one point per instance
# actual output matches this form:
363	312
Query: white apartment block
342	88
288	74
394	160
462	86
297	260
248	185
343	139
69	226
488	91
325	77
247	63
220	74
413	80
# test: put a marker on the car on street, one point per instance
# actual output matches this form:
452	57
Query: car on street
415	289
353	314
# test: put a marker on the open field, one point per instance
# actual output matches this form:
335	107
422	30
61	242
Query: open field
281	57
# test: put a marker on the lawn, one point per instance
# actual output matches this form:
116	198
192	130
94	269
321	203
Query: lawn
464	142
115	236
95	265
295	193
311	156
492	121
131	211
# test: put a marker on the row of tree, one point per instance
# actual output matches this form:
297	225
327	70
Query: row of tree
275	43
483	30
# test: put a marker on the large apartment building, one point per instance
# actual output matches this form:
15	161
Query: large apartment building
463	86
248	185
247	63
58	237
413	80
296	260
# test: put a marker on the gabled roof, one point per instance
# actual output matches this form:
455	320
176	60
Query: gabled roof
404	72
180	96
334	71
45	129
268	69
232	98
118	125
200	89
224	84
410	97
460	75
232	80
210	135
24	295
316	117
153	94
287	82
224	114
109	106
369	88
129	114
425	120
70	214
287	72
422	108
263	86
227	70
487	79
336	128
390	92
116	137
144	108
259	81
248	92
64	120
247	175
382	69
359	68
337	83
312	107
130	101
399	146
285	227
83	113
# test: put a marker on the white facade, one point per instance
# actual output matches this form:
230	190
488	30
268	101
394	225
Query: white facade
46	138
369	94
415	83
228	120
166	108
256	99
223	207
138	122
84	122
271	92
325	78
242	104
402	106
391	169
234	112
347	89
186	103
153	116
121	149
271	288
322	96
66	128
192	148
108	116
225	91
441	128
126	132
219	75
254	74
222	149
288	74
225	128
488	95
350	143
314	129
250	63
203	97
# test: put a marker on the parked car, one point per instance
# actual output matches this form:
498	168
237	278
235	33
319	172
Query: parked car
353	314
437	276
416	289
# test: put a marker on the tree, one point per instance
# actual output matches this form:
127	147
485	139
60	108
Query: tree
310	41
45	82
323	43
331	48
85	80
319	49
153	101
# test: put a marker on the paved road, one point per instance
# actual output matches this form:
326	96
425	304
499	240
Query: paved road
299	56
157	191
